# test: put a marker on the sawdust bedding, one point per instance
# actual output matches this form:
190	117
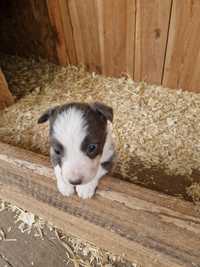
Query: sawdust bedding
78	252
154	127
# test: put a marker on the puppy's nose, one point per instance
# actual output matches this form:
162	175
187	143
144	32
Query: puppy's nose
76	182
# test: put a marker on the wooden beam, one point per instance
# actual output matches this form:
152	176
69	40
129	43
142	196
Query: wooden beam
150	228
6	97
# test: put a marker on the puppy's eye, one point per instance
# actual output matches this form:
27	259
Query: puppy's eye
57	151
92	148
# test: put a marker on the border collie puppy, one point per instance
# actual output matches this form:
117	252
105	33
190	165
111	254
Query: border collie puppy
81	145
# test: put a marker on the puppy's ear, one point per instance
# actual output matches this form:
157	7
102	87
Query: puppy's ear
104	110
47	114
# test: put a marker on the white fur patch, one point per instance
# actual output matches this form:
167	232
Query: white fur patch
66	189
109	147
88	190
70	128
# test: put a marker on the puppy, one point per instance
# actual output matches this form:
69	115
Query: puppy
81	145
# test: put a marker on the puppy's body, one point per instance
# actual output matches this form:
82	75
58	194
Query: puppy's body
82	148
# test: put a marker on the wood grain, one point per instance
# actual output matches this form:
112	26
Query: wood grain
182	67
150	228
56	16
68	31
28	249
83	15
6	98
152	22
117	30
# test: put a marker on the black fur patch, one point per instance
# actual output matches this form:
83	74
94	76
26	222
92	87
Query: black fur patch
57	152
108	165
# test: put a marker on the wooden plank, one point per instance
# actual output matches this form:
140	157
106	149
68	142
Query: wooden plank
68	31
29	250
117	22
152	22
115	219
83	15
182	67
59	34
6	97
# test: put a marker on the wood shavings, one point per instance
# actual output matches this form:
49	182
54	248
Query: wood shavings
70	254
9	229
154	127
27	220
2	234
24	78
78	252
2	206
194	192
4	238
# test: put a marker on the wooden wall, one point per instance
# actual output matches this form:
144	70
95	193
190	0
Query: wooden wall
153	40
25	29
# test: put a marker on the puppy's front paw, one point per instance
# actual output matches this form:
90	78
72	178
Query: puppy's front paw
65	189
86	191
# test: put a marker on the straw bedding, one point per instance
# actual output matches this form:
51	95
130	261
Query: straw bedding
154	127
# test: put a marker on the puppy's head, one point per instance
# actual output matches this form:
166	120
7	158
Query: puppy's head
77	137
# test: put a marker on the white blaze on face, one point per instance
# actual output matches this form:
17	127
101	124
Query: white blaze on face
70	129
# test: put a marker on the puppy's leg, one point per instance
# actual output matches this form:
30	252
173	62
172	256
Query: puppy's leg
65	188
88	190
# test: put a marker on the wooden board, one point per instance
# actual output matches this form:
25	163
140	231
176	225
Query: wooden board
182	67
150	228
55	16
28	250
83	15
152	22
6	97
68	32
116	33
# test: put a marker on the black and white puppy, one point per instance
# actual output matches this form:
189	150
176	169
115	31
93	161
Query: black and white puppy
81	145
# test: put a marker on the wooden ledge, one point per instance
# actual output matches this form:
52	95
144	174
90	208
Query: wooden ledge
150	228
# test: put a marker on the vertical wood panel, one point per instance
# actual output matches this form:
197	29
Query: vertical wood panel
86	36
55	16
68	32
118	17
152	22
104	34
182	67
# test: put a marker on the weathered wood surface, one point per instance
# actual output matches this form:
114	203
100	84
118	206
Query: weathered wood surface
152	40
116	22
150	228
182	66
26	250
152	23
6	97
56	20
